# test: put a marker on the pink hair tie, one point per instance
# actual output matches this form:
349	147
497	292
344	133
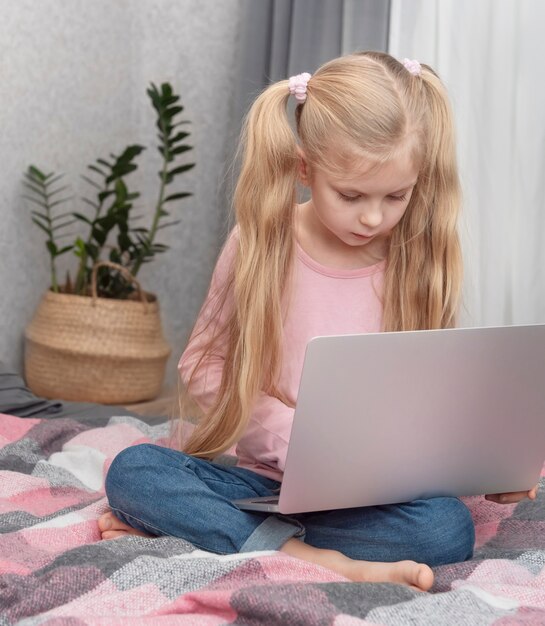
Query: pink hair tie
298	86
413	66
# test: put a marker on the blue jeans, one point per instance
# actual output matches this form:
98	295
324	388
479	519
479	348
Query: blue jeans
166	492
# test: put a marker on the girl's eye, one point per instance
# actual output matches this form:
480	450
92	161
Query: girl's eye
348	198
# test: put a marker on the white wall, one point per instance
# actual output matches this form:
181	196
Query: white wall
73	77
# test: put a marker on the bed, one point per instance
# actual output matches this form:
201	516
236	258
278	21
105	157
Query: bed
55	570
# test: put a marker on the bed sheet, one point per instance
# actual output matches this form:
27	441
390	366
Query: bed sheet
54	569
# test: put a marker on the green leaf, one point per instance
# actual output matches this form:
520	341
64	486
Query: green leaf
42	205
177	196
153	93
178	170
169	100
60	236
56	191
115	257
79	248
58	226
52	248
61	215
44	216
91	182
120	189
142	240
108	221
123	169
97	170
41	216
61	201
164	128
181	149
167	224
172	111
90	203
92	250
178	137
51	181
166	90
99	236
182	168
40	225
105	194
36	173
36	190
124	241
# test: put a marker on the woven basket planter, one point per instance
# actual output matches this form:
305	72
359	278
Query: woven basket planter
91	349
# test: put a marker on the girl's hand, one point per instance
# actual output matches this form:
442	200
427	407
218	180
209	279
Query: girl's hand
511	498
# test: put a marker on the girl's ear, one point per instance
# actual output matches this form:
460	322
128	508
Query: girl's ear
303	167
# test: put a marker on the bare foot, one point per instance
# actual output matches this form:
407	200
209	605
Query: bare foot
111	527
415	575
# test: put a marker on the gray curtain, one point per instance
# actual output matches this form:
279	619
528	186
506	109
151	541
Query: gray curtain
285	37
279	38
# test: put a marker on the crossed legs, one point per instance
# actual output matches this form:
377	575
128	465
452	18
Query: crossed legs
157	491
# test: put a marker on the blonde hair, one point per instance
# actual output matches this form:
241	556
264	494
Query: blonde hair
366	105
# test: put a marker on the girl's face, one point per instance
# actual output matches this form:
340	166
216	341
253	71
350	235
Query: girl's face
360	208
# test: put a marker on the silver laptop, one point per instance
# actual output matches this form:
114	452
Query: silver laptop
393	417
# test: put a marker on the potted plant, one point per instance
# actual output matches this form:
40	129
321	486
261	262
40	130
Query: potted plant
97	336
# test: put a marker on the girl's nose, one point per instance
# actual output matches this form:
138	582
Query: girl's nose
371	217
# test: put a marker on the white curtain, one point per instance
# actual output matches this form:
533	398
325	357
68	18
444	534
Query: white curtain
491	55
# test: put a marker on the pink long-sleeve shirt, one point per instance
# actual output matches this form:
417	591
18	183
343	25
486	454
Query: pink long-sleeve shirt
323	301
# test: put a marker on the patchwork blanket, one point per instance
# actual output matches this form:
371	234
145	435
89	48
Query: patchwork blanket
55	570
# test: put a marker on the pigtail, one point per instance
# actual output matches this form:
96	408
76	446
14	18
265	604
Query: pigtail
264	203
424	272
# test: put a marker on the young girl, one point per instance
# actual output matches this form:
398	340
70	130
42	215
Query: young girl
374	248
